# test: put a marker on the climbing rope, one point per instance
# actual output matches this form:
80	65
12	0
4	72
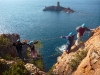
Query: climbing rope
46	39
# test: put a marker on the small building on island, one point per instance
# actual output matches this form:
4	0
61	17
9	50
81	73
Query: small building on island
58	4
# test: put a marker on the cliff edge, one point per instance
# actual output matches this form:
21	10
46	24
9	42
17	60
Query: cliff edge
84	60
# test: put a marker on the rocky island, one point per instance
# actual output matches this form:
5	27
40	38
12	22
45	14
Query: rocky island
58	8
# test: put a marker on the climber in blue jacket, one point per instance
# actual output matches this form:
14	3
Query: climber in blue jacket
70	39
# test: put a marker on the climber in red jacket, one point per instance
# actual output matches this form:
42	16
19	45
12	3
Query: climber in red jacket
80	31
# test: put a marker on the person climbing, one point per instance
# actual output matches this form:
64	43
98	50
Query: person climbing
18	46
80	31
70	40
32	48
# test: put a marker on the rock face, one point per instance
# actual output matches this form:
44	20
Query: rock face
9	49
11	37
90	65
58	8
34	70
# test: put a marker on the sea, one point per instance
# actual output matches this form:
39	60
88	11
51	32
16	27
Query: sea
27	18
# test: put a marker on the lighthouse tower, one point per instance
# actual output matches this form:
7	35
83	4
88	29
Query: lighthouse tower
58	4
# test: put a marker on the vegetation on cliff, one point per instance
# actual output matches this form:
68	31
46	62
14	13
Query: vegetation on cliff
78	57
17	68
4	42
3	66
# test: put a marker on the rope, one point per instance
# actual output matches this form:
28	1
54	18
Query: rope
46	39
51	55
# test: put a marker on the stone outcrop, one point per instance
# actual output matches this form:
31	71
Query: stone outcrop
58	8
11	37
9	49
90	65
34	70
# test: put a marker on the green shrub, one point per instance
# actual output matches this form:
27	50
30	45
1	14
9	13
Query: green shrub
38	62
9	57
4	42
38	47
80	55
17	68
3	66
50	72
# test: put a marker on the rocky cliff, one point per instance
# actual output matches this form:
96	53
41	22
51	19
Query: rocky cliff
11	37
89	65
9	49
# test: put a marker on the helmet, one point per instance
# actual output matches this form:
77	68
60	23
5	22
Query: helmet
70	34
31	42
83	25
18	40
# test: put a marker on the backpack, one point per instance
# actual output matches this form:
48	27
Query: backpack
77	29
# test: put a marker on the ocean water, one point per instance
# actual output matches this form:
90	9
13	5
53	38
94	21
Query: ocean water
26	18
